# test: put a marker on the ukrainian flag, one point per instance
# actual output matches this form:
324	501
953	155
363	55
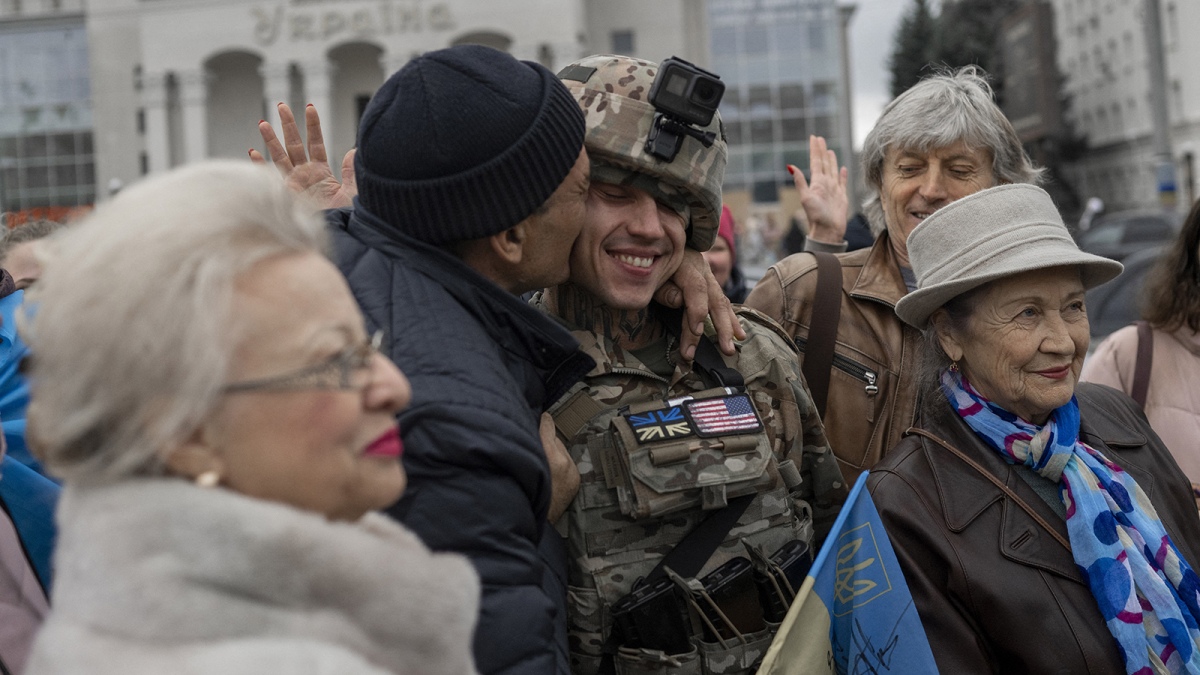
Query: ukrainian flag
854	613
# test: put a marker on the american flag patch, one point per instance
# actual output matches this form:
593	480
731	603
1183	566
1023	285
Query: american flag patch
659	425
725	415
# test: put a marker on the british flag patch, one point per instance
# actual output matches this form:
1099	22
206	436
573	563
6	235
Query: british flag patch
659	425
722	416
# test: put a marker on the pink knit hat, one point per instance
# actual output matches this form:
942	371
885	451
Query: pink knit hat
726	230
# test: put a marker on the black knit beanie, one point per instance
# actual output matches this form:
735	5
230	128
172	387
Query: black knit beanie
465	142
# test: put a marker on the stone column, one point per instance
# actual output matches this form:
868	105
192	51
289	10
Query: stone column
317	90
154	102
193	103
277	88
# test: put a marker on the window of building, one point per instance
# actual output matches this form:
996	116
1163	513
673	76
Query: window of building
758	101
794	129
816	35
755	40
765	191
622	42
824	95
791	97
823	126
724	41
762	131
46	149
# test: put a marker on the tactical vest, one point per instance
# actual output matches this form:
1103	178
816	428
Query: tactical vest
655	458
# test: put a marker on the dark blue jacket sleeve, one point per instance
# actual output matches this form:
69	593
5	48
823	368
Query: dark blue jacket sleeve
469	496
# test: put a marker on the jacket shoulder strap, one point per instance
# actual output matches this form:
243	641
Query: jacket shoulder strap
575	409
822	330
1141	367
995	481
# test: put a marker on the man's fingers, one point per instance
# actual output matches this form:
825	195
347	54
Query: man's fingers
274	148
316	141
669	295
291	135
724	320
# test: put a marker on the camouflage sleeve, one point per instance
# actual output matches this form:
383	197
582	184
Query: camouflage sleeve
771	362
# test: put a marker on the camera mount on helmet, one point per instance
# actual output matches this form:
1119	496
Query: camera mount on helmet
685	97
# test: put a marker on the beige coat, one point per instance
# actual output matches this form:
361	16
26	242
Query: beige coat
1173	399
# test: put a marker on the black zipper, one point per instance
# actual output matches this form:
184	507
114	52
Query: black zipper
852	368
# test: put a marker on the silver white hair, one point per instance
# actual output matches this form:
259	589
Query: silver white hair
131	332
937	112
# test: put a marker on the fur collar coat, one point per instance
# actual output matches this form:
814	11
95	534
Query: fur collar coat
157	575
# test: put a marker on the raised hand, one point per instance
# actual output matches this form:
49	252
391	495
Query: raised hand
824	197
306	170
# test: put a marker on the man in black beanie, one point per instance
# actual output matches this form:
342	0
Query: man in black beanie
472	186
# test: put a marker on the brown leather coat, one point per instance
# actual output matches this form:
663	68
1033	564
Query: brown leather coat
995	591
872	389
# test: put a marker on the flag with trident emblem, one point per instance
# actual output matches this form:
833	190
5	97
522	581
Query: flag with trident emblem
854	614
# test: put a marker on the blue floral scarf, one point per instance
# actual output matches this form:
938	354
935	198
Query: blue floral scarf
1147	592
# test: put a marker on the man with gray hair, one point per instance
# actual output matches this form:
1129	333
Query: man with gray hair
941	140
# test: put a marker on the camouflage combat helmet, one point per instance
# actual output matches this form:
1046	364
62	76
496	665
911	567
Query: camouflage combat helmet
612	90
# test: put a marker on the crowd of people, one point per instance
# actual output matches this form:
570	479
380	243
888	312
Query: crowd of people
481	404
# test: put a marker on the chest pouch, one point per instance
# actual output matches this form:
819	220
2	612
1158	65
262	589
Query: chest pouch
698	451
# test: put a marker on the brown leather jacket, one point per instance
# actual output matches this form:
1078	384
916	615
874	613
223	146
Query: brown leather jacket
995	592
872	389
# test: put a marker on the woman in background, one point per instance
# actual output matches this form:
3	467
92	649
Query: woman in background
722	259
1171	307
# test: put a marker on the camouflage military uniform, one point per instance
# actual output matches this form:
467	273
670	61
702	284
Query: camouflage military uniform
610	551
642	493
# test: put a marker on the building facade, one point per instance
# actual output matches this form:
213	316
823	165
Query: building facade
46	140
785	64
158	83
1103	54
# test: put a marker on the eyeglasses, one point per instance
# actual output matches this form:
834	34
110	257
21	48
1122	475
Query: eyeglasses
348	369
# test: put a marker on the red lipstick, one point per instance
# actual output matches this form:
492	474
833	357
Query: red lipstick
1055	373
387	445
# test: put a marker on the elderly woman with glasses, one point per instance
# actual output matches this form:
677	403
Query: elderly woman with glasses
203	384
1041	524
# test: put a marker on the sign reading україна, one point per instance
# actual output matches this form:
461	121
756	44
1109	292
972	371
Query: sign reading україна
312	21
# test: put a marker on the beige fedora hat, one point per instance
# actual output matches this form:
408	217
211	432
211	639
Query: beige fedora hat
989	235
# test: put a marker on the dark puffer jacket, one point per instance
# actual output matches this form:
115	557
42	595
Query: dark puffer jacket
483	367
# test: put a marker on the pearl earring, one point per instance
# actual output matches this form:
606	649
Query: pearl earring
208	479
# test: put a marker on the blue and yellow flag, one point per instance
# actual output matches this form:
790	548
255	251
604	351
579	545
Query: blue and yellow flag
854	614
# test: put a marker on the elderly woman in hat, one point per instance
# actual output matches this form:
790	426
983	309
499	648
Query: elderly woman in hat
204	385
1041	524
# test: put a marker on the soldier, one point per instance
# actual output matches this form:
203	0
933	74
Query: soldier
661	445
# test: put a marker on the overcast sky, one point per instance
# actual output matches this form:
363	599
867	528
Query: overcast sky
871	32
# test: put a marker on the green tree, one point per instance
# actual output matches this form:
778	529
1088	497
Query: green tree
967	34
915	40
